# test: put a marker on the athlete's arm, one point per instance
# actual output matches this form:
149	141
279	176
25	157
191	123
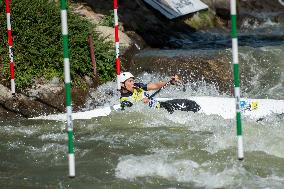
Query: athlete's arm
155	86
158	85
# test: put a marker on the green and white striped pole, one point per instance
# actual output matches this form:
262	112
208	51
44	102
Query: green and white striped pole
67	79
236	78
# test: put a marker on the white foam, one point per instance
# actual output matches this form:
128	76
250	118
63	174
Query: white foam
209	174
27	131
130	167
54	137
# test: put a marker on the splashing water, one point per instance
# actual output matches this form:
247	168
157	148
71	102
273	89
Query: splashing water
147	148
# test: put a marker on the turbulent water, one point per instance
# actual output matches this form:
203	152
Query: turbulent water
146	148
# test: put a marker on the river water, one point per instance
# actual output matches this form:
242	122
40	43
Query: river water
145	148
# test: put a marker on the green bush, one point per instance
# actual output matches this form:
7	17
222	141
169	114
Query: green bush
38	49
108	20
200	20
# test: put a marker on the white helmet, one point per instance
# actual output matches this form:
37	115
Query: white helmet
124	76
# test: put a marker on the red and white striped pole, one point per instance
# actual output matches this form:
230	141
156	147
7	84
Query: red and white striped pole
10	43
117	60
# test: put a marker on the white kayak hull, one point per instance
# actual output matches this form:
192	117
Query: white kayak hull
222	106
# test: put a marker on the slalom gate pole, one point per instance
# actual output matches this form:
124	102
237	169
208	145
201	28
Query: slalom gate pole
117	60
10	44
64	29
236	78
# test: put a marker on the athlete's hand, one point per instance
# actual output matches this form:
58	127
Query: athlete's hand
175	79
146	100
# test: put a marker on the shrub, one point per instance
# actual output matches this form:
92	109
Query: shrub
108	20
38	49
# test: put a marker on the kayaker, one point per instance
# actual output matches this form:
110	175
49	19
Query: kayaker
132	92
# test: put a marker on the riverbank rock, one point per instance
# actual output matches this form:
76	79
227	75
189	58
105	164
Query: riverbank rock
129	41
86	12
135	15
210	66
250	12
8	115
108	33
41	99
20	105
158	31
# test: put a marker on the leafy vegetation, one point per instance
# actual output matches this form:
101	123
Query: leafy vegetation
202	19
108	20
38	46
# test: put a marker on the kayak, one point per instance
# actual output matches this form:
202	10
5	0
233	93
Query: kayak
221	106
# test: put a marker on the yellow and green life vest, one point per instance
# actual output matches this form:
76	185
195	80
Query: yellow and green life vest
138	94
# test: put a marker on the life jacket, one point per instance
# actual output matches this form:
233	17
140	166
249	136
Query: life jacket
138	94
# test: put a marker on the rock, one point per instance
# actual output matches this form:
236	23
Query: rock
280	18
8	115
137	40
247	21
55	81
54	96
85	11
221	8
158	31
79	96
5	93
134	48
263	6
136	15
41	99
48	93
108	33
213	68
89	81
248	10
21	105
